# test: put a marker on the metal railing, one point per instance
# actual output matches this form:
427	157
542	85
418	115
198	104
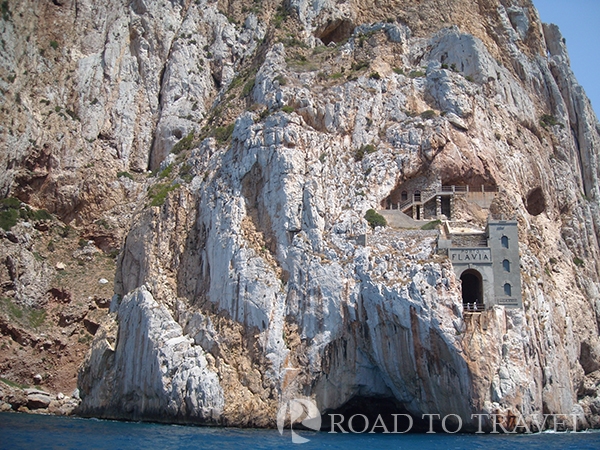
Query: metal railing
473	307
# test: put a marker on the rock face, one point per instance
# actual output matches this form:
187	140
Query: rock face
241	283
168	374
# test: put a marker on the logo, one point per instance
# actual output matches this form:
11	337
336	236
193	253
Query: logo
300	410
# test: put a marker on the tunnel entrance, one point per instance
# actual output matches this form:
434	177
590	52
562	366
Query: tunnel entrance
472	287
446	206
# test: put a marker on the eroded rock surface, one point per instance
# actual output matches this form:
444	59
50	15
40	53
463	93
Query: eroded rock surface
241	283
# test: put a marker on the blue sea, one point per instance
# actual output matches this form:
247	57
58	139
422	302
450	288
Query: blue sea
25	431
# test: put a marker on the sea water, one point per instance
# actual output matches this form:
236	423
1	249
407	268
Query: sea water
27	431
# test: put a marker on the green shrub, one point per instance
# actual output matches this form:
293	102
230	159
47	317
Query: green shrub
124	175
36	214
375	219
166	172
365	149
13	384
72	114
288	109
280	16
6	14
223	134
37	317
14	310
399	71
186	173
578	262
184	144
429	114
158	193
54	44
431	225
291	41
549	121
236	82
469	78
416	74
10	202
248	87
370	148
375	76
9	218
359	65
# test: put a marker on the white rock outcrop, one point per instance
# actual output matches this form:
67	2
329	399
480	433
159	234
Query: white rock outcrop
149	368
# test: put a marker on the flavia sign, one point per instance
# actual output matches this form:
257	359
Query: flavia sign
470	255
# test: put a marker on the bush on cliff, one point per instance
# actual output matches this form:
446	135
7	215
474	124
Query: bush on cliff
375	219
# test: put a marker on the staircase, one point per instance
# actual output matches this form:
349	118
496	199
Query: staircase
397	219
407	204
482	197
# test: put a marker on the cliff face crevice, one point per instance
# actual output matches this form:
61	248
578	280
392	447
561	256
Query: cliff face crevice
270	130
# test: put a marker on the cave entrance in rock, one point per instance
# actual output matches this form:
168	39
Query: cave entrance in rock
361	414
472	287
335	31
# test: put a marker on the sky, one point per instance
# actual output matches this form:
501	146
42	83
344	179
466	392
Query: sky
579	23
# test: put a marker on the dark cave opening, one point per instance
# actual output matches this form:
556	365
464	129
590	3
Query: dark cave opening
378	415
335	31
536	202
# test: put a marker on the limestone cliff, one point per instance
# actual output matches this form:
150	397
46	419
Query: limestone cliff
270	129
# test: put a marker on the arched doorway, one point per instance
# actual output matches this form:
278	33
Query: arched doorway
472	287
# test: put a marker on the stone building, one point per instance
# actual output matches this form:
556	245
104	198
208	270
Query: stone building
487	263
426	198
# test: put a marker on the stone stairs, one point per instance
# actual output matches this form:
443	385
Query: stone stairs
397	219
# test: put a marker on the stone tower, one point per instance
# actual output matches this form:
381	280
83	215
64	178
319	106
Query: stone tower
503	241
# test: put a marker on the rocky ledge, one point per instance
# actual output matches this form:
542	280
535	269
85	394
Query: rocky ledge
34	400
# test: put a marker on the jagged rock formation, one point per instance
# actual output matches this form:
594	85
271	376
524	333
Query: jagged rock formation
240	284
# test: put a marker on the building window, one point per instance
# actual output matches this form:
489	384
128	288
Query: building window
417	196
504	242
404	196
506	265
507	289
